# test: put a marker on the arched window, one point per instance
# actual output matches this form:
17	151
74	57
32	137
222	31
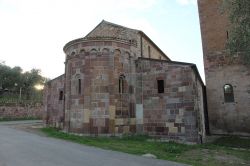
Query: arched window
82	51
93	51
228	93
117	55
121	83
73	53
127	54
117	52
105	51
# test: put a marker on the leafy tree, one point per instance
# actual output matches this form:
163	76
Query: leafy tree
239	35
6	76
14	79
30	79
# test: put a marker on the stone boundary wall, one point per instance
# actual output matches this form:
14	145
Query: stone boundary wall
26	111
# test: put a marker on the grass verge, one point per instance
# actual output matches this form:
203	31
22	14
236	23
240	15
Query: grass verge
220	152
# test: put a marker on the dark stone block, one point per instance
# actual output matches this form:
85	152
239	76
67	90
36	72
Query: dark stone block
159	129
170	106
132	128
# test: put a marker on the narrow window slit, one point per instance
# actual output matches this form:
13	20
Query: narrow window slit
121	84
61	95
160	85
79	86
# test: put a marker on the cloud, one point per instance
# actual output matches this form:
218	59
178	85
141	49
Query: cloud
187	2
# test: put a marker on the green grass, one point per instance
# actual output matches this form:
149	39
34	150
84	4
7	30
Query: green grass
218	153
4	119
233	142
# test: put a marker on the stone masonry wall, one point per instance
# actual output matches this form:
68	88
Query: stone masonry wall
227	117
199	106
173	114
214	35
99	108
54	102
220	68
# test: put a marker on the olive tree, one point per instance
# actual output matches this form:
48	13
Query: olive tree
239	34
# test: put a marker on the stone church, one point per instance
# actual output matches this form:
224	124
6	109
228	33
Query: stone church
118	81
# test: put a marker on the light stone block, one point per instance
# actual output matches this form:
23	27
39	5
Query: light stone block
86	115
178	119
182	129
78	71
182	89
132	121
139	111
126	129
111	112
119	121
116	129
125	121
181	112
173	130
169	124
139	121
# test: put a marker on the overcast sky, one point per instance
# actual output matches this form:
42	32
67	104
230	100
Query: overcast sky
33	32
